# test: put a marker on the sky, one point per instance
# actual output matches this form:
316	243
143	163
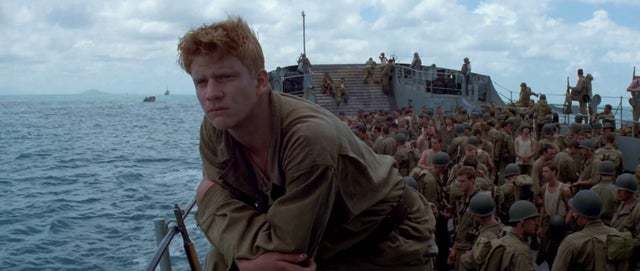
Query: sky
129	47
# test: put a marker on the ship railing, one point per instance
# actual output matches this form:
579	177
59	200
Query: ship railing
165	234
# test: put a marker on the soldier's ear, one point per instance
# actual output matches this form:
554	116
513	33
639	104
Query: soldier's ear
263	84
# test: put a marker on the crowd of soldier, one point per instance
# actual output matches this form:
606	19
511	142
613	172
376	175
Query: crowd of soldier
501	191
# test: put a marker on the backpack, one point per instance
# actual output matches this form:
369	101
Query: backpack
619	249
494	258
612	155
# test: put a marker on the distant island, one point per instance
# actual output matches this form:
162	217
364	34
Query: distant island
94	92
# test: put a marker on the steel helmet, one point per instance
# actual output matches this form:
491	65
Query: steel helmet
440	159
627	182
521	210
607	168
482	204
511	169
587	203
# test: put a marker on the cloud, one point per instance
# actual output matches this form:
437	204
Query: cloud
96	42
604	2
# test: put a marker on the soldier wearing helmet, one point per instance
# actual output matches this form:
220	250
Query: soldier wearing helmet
405	159
508	190
627	217
431	183
583	250
610	152
568	162
606	191
511	252
482	207
540	112
589	175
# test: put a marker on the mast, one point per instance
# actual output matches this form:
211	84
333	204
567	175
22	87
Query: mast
304	41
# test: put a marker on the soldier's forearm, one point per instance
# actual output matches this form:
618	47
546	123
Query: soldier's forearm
293	224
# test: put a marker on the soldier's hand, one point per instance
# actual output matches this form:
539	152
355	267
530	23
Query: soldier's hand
274	261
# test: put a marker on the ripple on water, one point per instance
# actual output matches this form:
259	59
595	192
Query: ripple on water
85	183
129	177
60	225
28	156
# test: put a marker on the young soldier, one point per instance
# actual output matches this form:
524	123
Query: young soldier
466	227
554	204
286	185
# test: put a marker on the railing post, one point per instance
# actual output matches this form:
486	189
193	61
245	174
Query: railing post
161	229
620	112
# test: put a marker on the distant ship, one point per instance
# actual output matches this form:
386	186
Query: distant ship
149	99
166	92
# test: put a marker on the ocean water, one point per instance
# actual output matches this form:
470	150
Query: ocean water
83	177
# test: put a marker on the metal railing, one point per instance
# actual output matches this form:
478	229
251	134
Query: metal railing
162	253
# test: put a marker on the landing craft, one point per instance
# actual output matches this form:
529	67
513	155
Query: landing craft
431	86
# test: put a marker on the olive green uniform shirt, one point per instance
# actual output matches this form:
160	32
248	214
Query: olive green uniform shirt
578	252
515	255
627	218
323	194
486	234
606	191
385	144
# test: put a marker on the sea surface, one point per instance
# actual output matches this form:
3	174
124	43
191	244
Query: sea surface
84	177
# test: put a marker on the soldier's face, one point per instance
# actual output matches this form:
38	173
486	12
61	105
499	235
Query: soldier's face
435	144
226	89
547	174
465	183
623	195
530	226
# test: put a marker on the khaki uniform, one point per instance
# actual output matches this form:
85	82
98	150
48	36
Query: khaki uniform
578	92
456	147
369	70
405	160
606	116
508	151
540	111
475	257
385	79
610	153
430	187
323	193
580	250
607	193
590	171
385	145
567	167
465	234
627	218
525	96
508	197
509	253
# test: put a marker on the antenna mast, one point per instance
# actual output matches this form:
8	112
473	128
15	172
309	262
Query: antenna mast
304	40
